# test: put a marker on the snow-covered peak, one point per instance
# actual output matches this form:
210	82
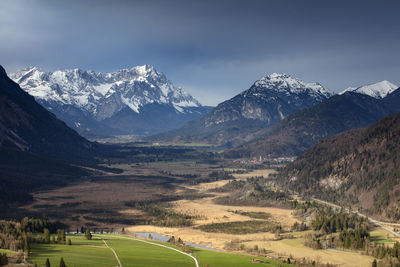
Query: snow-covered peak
145	70
88	90
286	83
377	90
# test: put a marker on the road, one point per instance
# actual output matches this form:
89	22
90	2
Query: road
380	224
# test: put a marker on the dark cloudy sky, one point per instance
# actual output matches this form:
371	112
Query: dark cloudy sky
214	49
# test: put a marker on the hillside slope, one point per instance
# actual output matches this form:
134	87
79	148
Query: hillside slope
359	168
303	129
35	146
27	126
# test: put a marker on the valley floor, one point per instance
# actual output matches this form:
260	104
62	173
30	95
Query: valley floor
102	202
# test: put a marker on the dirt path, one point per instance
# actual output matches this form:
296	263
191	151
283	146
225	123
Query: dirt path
113	251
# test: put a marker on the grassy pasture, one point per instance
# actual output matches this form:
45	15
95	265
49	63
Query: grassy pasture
82	252
221	259
131	252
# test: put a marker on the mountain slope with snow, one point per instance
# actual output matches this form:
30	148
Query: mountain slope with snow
377	90
111	103
268	101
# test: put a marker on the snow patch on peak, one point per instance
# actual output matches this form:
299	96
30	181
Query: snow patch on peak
286	83
144	70
377	90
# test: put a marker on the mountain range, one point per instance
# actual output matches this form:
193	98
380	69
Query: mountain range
136	101
268	101
358	168
278	116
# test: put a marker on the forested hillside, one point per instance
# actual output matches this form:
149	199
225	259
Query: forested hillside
359	167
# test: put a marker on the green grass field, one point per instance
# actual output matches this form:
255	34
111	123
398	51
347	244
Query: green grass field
221	259
380	236
81	253
8	252
131	252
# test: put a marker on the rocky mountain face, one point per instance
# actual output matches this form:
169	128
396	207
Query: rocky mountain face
358	168
303	129
136	101
265	103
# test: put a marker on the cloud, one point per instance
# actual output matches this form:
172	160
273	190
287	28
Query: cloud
214	48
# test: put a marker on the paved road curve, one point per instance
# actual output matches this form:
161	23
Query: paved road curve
377	223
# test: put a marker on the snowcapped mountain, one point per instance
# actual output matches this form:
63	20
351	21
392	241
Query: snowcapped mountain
92	102
268	101
377	90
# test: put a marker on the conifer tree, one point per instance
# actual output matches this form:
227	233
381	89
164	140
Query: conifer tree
62	263
46	235
26	243
47	262
88	235
3	259
63	235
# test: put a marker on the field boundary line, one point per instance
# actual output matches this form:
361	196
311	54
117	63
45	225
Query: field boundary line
160	245
113	251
